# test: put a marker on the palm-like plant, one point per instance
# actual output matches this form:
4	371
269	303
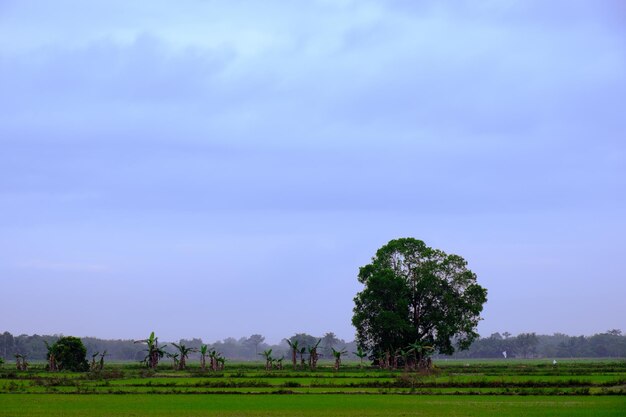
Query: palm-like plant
184	352
93	366
155	353
175	357
204	349
52	363
221	361
295	348
313	355
20	362
302	351
101	364
279	363
267	354
212	359
337	354
421	354
360	353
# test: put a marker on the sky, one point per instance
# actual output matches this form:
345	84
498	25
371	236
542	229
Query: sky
223	168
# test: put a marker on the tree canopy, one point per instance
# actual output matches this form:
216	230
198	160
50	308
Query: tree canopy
69	354
416	294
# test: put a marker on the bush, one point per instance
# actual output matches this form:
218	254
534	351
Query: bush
70	354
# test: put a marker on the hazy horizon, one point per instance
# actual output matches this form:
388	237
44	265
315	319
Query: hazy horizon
219	169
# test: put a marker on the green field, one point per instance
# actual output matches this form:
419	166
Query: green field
307	405
476	388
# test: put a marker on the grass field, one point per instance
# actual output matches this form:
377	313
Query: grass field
306	405
476	388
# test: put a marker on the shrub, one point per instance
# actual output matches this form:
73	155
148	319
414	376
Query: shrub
70	354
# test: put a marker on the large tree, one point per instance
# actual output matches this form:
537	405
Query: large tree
68	353
416	294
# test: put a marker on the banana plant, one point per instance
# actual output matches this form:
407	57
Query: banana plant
267	354
360	353
184	352
337	354
154	352
101	364
221	362
421	354
93	367
20	362
313	355
52	363
404	354
204	349
279	363
302	351
175	357
213	355
295	348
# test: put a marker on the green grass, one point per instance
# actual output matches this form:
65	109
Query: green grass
305	405
502	388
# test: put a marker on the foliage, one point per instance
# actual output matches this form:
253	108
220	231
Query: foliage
183	352
416	293
69	353
153	352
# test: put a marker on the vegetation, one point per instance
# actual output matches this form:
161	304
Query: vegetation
414	293
307	405
69	354
611	343
154	353
449	378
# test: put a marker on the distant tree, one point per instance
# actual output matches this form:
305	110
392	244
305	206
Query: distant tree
7	344
70	354
254	341
525	344
614	332
506	335
329	341
416	293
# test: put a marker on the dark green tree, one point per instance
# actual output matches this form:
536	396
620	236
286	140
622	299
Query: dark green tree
414	293
69	354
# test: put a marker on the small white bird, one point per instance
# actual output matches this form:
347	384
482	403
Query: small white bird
554	362
504	354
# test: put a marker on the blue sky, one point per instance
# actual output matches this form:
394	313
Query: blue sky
222	168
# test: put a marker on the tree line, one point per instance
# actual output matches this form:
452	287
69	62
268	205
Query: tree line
35	347
611	343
